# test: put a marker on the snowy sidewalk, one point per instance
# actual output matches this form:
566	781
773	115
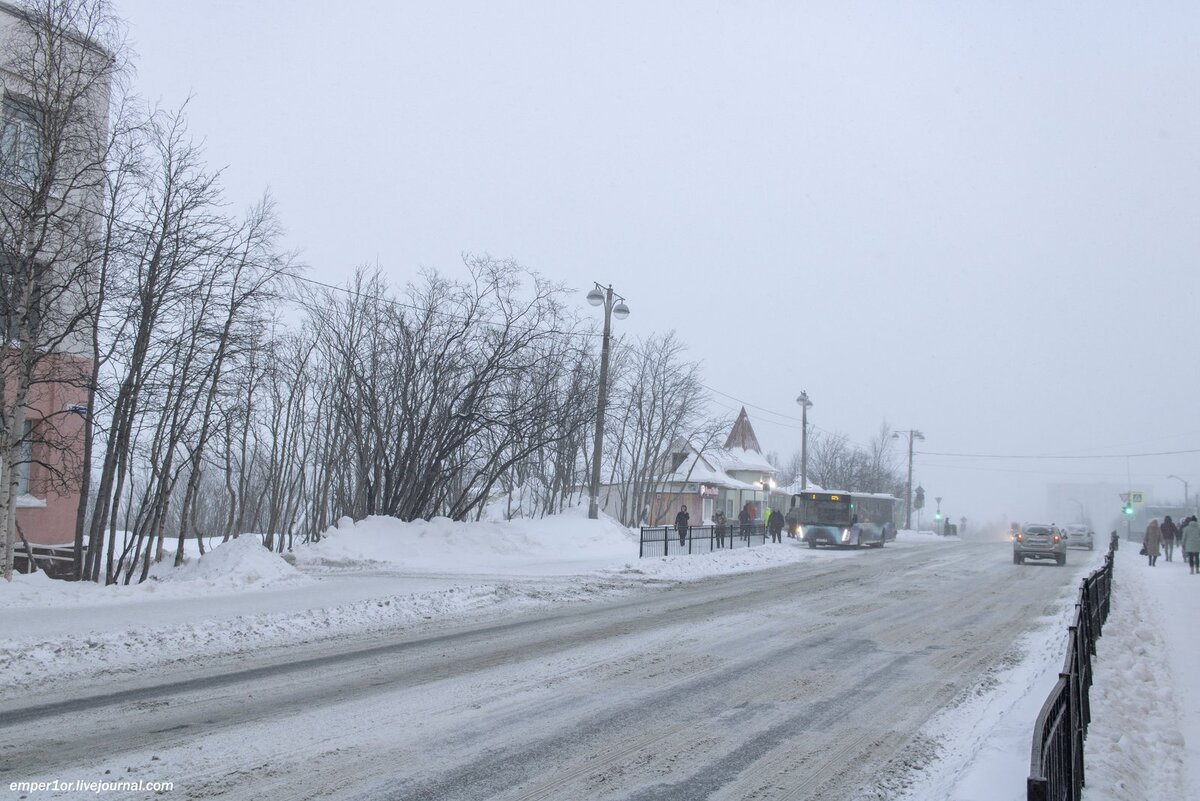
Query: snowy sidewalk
1144	741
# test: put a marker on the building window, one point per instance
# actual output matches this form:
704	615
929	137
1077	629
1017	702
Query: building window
20	142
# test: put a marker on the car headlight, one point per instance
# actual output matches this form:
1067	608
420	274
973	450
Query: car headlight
845	535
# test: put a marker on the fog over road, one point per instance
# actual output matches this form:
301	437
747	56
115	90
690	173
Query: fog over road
808	681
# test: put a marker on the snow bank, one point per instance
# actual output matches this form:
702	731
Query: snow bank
554	545
909	535
734	560
241	563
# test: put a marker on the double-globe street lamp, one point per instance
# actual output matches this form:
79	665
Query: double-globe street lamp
912	434
602	295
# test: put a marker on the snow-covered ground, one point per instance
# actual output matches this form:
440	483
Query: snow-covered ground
381	575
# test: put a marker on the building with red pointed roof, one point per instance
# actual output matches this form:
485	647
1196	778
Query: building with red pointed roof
709	479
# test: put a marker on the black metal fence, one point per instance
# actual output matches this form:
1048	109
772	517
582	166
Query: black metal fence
665	540
1056	764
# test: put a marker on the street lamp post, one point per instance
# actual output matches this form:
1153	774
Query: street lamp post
805	405
1185	490
602	295
912	434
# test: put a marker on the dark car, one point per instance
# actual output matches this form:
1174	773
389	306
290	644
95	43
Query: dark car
1039	541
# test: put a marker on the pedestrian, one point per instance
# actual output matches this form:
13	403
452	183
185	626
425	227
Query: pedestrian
1170	533
775	525
793	520
720	523
744	521
1191	543
681	524
1152	542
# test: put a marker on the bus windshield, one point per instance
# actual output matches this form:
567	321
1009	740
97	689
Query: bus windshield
822	510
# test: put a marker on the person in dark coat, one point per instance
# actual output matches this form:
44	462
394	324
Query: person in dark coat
720	525
775	525
1170	533
744	521
681	524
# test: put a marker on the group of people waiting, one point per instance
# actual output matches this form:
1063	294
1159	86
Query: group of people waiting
721	525
1163	536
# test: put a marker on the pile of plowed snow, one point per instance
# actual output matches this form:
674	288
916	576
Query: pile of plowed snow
241	563
565	543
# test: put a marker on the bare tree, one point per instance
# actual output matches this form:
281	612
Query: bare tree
836	463
657	398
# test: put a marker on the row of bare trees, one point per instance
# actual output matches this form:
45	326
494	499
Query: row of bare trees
164	356
835	462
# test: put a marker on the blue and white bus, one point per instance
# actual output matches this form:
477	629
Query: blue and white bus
842	519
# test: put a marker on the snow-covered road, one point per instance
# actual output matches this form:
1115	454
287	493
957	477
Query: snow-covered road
811	680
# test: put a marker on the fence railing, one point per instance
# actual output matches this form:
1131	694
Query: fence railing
1056	763
665	540
53	560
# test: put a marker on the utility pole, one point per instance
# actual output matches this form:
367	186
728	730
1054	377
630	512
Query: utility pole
805	403
912	434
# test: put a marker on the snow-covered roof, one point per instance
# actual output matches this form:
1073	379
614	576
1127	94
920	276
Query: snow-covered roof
714	465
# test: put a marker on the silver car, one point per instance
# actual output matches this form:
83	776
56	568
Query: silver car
1039	541
1080	536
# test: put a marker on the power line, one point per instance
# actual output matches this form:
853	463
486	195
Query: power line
784	417
1057	456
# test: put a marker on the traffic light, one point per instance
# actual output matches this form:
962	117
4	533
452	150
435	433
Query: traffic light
1128	509
937	515
919	499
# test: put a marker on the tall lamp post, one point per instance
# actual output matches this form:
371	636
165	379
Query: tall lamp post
912	434
805	405
1185	490
602	295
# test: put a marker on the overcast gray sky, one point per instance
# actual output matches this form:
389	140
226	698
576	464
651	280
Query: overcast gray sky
976	219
